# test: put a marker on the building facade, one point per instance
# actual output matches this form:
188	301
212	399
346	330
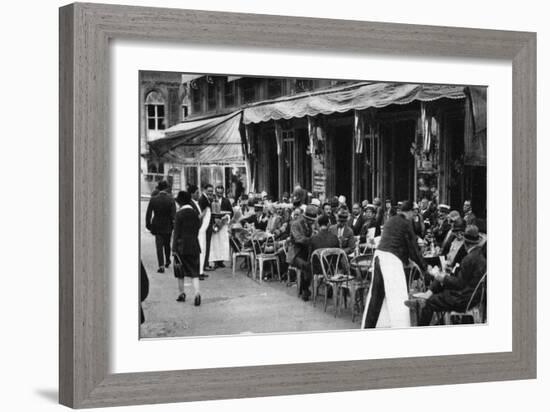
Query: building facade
358	139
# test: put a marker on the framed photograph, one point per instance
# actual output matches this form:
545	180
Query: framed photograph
286	201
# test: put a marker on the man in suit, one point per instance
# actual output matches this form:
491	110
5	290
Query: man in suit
343	232
357	219
469	216
323	239
443	225
454	292
205	201
299	245
369	222
159	220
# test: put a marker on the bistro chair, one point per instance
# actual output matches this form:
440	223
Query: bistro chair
361	269
294	269
239	251
477	311
263	246
336	272
415	278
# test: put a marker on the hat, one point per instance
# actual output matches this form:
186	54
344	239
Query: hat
454	215
316	202
406	206
342	199
311	212
258	207
343	215
444	208
162	185
471	235
459	225
370	207
364	203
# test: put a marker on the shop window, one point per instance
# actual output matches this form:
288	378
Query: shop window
274	88
196	100
154	104
248	90
229	94
211	92
303	85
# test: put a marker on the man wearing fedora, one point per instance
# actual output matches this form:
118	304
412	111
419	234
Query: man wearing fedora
450	292
343	232
159	220
301	230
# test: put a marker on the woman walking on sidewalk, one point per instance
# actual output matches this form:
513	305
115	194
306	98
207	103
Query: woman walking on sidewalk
186	246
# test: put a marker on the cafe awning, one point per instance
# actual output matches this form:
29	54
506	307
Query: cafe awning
212	140
358	96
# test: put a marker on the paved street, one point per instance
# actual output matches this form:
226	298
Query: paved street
230	305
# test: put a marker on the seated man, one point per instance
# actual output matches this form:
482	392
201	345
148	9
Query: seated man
455	251
369	223
442	226
299	245
454	292
344	233
258	219
356	220
323	239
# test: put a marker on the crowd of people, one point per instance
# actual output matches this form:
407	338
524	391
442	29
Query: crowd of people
448	246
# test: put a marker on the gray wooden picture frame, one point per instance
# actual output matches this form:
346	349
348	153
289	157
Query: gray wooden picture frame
85	31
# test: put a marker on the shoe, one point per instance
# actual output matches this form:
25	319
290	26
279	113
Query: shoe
181	297
204	275
160	269
209	268
220	264
198	300
201	277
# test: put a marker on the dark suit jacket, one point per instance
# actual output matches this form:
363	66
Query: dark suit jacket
398	238
225	206
458	289
325	238
300	238
186	233
368	224
358	224
161	211
347	242
259	224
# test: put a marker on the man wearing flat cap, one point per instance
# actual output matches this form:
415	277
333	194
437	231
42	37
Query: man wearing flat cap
301	230
452	293
388	291
343	232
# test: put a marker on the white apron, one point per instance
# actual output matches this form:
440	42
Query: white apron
219	244
202	237
394	313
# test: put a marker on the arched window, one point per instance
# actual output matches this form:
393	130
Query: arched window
154	105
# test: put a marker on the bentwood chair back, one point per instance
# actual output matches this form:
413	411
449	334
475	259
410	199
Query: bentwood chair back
263	246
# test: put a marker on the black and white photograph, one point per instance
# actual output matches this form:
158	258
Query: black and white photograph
283	205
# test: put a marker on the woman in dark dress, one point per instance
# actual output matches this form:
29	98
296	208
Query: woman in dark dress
186	245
